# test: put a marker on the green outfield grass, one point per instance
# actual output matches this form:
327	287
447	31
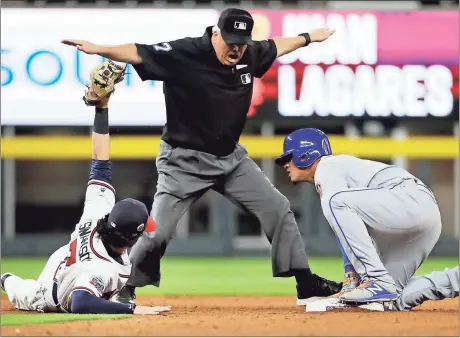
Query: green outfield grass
221	276
45	318
202	276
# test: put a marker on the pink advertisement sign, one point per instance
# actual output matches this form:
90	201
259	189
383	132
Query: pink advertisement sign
377	64
399	37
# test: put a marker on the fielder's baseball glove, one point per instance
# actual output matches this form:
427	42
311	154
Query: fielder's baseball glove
103	80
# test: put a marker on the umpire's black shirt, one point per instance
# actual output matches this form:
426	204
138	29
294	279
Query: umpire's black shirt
206	101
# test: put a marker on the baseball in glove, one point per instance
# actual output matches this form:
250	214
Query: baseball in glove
103	80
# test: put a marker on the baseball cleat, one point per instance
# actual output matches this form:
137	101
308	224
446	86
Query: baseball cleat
351	281
370	292
3	279
126	295
318	288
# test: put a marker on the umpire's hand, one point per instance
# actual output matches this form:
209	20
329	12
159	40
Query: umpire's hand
321	34
83	45
151	310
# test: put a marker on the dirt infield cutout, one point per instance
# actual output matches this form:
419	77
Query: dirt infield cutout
250	316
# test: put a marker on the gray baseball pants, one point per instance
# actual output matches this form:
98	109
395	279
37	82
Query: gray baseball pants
434	286
387	229
184	175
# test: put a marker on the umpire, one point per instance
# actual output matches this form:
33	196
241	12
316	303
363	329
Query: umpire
208	84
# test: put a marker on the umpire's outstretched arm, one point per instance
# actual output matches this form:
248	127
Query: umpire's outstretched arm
129	53
122	53
286	45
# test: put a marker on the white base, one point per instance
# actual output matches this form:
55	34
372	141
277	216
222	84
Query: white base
330	304
303	302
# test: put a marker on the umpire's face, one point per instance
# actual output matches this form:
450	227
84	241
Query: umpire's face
228	54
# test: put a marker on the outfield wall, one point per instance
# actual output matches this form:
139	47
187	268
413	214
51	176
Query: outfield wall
377	88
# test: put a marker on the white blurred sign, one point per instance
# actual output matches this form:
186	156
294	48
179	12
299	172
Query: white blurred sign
43	80
383	91
337	89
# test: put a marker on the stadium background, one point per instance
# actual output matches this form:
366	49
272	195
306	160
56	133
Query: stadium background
377	81
385	87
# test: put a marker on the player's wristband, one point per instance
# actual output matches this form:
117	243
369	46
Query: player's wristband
101	121
307	38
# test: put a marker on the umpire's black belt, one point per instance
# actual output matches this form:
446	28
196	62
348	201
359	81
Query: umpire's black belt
215	149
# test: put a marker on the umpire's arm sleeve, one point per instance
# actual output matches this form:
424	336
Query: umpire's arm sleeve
265	53
157	62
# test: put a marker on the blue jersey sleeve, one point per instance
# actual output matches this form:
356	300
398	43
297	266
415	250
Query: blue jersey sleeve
85	302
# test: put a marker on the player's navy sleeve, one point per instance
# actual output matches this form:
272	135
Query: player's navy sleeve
265	54
85	302
159	61
101	170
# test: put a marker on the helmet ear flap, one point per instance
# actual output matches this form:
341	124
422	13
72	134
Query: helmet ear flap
302	160
303	157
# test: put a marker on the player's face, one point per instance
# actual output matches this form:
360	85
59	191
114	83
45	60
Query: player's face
300	175
228	54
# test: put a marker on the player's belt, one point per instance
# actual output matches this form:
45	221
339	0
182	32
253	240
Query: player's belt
419	184
55	298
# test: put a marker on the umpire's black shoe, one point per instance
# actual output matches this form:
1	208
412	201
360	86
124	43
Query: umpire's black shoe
126	295
316	288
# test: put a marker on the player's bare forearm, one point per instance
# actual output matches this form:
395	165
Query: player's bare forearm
101	167
122	53
101	136
101	146
286	45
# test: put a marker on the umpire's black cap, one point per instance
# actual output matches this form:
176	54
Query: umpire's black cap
131	216
236	26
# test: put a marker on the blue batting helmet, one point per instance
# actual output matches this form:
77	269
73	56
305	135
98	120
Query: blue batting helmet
304	146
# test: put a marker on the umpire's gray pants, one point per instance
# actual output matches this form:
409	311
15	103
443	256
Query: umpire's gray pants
184	175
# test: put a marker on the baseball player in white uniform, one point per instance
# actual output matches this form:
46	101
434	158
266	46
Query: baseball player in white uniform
386	221
82	276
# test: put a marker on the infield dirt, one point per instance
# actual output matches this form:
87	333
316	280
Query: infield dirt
254	316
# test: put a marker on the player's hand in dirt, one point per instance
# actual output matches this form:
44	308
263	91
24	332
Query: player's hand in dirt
321	34
151	310
82	45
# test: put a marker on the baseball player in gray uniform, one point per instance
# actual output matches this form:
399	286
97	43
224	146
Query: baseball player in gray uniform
386	220
208	84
